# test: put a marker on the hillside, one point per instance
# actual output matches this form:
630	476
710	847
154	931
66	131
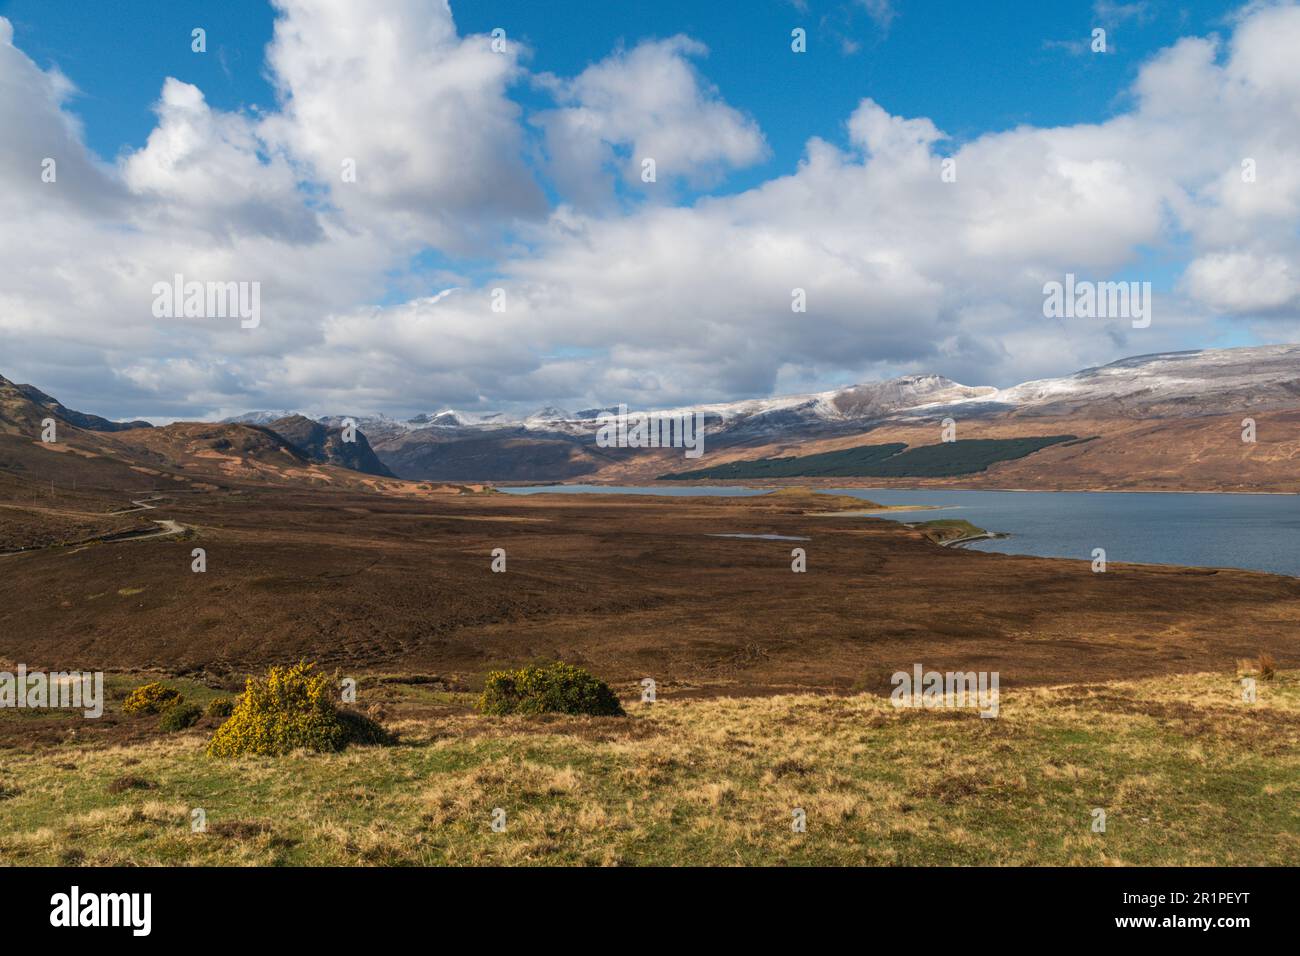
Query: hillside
54	407
498	455
945	459
325	445
1167	454
91	453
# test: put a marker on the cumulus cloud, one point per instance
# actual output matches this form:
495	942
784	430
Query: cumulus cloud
648	102
207	167
38	128
203	198
420	111
1246	284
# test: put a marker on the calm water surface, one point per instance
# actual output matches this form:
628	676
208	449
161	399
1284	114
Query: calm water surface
1257	532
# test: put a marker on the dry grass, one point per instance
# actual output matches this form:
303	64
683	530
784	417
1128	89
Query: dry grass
1187	772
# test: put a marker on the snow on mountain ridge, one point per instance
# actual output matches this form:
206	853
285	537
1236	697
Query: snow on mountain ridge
260	417
1165	376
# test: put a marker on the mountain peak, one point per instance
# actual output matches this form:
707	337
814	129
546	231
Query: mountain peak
549	413
261	417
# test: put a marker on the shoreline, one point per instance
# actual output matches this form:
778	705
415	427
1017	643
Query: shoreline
985	536
892	513
750	486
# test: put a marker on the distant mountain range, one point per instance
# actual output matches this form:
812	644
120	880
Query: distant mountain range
554	444
1169	420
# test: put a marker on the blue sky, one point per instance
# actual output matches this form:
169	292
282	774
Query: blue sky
970	67
778	170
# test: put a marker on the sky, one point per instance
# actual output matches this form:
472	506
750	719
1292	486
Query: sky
498	247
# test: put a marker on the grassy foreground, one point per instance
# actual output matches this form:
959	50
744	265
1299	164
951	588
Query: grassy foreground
1186	772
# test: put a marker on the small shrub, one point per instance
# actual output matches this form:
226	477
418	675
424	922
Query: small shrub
123	784
221	707
548	688
362	729
1267	666
151	699
290	709
179	717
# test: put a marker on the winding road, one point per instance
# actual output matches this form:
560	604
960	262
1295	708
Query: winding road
168	529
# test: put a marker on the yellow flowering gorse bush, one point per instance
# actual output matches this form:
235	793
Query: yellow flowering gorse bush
151	699
290	709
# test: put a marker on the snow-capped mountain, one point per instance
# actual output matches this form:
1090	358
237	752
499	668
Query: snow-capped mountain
1207	381
260	417
555	443
548	414
856	403
1168	380
852	404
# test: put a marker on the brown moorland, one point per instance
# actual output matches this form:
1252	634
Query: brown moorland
628	586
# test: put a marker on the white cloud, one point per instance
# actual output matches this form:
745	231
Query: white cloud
37	127
205	166
649	102
1242	283
421	111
